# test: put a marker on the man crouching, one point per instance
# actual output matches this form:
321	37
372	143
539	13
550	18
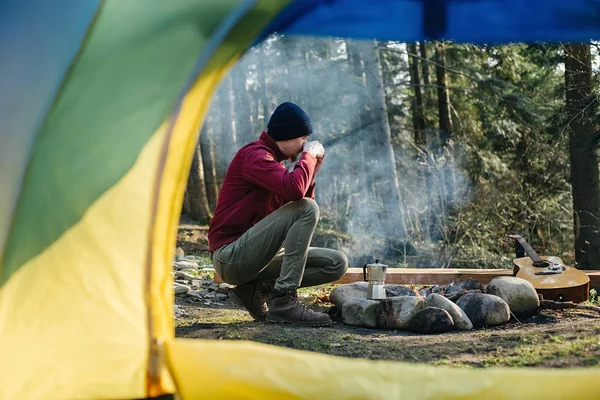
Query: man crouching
264	221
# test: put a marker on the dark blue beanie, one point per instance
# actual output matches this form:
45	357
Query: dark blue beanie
288	121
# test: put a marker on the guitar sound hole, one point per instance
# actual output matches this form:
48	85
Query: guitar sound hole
541	264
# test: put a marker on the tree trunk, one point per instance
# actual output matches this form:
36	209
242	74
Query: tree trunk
447	181
427	91
243	124
445	120
417	104
265	106
196	190
585	179
208	163
185	208
379	153
430	218
228	140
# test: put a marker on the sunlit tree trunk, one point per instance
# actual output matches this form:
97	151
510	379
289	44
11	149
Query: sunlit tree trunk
208	163
243	124
377	140
196	190
447	180
227	139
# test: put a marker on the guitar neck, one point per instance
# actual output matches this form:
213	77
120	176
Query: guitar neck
529	250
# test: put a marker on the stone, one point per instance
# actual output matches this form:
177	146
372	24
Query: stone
360	312
519	294
393	290
178	312
463	286
221	297
225	288
196	284
184	276
396	312
195	294
431	320
343	293
178	265
484	310
179	252
459	317
180	289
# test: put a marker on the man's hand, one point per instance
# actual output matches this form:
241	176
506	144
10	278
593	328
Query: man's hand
315	149
318	167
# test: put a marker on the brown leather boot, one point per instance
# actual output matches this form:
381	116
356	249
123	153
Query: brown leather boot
253	297
284	307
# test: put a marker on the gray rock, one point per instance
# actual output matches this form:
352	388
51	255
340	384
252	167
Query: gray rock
221	297
396	312
180	289
460	318
343	293
393	290
225	288
484	309
184	276
184	264
462	286
195	294
178	312
431	320
196	284
424	292
519	294
360	312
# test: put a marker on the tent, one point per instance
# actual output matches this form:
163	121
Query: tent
100	108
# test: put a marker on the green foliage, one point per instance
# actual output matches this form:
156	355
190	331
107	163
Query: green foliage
507	103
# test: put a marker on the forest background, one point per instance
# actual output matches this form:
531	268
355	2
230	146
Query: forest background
435	151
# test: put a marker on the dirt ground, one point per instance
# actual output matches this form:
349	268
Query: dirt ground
568	338
552	338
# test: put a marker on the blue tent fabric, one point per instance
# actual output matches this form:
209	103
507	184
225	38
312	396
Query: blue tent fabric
473	21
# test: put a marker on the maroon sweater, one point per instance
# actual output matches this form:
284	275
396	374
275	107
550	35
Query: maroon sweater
256	184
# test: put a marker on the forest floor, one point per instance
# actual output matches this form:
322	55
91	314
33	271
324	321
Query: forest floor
569	338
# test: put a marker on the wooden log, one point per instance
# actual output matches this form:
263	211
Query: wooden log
437	276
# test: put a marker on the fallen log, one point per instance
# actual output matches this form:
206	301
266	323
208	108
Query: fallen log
437	276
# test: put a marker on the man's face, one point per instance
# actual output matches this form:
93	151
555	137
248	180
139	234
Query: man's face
293	147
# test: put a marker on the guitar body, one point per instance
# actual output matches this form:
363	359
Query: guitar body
568	285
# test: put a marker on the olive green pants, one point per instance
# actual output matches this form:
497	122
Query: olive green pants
277	247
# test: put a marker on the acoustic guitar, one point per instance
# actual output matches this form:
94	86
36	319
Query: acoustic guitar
550	276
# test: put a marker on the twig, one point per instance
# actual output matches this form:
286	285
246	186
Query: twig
515	317
562	305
